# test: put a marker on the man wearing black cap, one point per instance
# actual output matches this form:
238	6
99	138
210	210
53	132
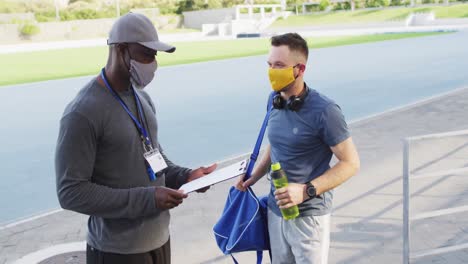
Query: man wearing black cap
109	163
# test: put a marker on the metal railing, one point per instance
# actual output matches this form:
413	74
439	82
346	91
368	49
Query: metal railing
262	8
407	217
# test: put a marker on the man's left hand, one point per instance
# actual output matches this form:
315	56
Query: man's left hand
200	172
291	195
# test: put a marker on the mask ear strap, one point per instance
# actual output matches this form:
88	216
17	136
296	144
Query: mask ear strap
123	57
300	67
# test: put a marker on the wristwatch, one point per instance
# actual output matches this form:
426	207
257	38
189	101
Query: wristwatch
310	190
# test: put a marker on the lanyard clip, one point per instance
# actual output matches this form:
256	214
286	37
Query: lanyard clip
146	144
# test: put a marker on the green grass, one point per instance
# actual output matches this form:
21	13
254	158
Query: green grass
56	64
455	11
366	16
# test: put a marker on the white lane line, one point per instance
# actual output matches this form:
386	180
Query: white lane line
29	219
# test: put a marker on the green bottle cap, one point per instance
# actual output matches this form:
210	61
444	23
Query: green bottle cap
275	166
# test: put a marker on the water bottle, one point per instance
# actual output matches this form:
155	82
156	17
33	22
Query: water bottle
280	180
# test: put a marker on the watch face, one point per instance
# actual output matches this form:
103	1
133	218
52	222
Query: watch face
311	191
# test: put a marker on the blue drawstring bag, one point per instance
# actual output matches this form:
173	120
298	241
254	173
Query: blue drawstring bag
243	225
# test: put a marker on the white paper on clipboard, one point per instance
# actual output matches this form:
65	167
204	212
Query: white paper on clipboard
216	176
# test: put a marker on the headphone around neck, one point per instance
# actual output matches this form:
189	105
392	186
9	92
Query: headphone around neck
294	103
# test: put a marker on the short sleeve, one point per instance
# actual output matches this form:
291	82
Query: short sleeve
334	129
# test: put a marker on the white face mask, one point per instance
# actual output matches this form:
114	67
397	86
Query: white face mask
141	74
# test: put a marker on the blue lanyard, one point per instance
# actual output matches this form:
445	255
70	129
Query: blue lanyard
140	126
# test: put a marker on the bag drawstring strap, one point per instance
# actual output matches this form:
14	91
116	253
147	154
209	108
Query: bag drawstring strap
258	144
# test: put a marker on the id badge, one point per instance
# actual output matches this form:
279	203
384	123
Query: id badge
155	160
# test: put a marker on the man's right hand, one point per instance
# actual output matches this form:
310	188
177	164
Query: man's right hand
242	185
167	198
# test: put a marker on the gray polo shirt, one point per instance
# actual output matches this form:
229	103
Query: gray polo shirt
101	172
300	142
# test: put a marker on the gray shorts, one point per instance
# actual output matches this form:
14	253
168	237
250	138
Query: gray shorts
304	240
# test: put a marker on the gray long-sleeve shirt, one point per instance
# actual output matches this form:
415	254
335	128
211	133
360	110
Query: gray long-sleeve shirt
101	171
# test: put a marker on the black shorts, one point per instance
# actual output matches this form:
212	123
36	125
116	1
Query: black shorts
160	255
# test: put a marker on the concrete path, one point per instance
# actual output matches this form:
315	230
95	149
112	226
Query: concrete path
38	46
333	30
354	30
367	219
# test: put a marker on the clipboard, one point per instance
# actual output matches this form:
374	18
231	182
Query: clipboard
216	176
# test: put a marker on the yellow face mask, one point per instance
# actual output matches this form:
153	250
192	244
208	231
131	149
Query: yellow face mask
280	78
